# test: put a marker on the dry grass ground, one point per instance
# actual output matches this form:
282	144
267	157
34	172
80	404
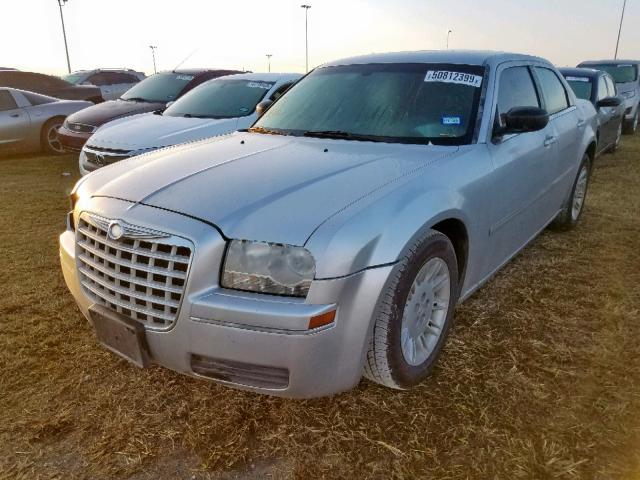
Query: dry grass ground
540	378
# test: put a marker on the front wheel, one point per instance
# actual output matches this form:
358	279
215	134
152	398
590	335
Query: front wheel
49	139
616	145
414	314
572	210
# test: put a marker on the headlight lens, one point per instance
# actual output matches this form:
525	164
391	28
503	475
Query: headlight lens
268	268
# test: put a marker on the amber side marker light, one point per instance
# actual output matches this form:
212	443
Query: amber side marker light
322	320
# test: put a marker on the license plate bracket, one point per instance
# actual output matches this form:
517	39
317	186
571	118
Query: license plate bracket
121	335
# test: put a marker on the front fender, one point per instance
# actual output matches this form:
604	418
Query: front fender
379	231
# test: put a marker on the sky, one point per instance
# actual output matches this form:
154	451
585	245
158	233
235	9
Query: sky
238	34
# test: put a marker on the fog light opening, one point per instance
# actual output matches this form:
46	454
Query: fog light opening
322	320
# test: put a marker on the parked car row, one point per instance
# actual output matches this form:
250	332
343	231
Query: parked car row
334	236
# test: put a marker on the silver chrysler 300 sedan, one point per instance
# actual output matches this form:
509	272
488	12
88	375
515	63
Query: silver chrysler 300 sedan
335	236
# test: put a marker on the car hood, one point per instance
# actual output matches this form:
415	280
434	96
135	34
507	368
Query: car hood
150	131
261	187
104	112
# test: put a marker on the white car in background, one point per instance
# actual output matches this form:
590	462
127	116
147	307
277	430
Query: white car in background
216	107
113	82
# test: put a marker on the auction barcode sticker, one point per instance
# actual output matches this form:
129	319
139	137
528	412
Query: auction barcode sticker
578	79
444	76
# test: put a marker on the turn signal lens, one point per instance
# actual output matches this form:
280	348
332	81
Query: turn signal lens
322	320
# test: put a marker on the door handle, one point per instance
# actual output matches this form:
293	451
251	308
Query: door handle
14	115
581	123
550	140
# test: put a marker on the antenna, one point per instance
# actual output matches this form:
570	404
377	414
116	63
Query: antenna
185	59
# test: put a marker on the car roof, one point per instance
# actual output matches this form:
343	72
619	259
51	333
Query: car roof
463	57
582	72
610	62
263	77
194	71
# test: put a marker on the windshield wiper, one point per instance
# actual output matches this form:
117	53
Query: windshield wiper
136	99
342	135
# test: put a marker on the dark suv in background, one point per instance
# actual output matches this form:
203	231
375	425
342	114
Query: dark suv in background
626	74
151	94
49	85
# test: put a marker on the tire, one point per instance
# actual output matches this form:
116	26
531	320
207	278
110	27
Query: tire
631	126
49	136
388	361
614	148
571	211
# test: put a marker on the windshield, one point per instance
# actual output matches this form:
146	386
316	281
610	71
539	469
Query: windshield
406	103
620	73
161	88
581	87
226	98
74	78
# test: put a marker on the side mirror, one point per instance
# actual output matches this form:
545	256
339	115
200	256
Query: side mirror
609	102
263	107
524	119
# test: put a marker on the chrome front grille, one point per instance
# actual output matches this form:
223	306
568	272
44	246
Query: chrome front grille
141	275
99	158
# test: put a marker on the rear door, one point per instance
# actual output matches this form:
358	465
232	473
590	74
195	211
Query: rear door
524	169
14	122
567	127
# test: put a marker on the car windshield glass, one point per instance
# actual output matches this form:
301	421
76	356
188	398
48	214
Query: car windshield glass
620	73
405	103
581	86
221	99
161	87
74	78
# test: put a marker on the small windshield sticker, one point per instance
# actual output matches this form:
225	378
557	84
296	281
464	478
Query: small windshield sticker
625	66
186	78
451	120
444	76
244	109
577	79
265	86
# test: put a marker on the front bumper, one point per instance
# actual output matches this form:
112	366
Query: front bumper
72	141
254	342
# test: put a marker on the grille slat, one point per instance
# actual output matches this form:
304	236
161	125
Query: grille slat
141	278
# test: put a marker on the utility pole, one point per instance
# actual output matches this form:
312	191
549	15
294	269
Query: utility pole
269	61
306	34
64	34
448	33
153	54
624	6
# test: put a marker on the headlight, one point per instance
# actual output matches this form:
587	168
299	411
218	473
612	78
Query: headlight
268	268
629	94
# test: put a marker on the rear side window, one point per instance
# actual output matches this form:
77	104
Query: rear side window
516	89
611	86
6	101
35	99
581	86
603	91
555	95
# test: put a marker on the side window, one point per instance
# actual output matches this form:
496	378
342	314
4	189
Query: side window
280	91
555	95
611	86
6	101
113	78
603	91
99	79
516	89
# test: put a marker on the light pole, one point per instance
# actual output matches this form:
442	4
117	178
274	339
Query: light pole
448	33
64	33
306	34
624	6
153	54
269	61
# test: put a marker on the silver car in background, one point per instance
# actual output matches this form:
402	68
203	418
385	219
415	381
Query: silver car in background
30	121
113	82
335	236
